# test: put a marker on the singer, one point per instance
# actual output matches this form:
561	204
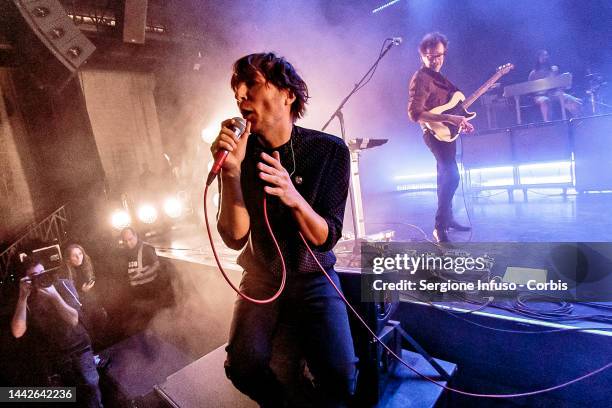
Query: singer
428	89
305	174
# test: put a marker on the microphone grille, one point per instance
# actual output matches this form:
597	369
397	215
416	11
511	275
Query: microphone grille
240	124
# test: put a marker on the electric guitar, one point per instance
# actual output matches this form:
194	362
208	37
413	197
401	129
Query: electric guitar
458	105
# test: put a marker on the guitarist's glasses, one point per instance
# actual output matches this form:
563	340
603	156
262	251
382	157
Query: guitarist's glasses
434	56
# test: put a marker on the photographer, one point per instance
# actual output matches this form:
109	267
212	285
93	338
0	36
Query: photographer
51	308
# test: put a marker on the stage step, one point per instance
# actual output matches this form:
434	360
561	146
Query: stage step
135	365
203	384
407	389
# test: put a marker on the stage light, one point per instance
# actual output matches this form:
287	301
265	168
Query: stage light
492	170
173	207
546	173
418	176
416	187
209	134
553	166
147	213
216	200
497	182
120	219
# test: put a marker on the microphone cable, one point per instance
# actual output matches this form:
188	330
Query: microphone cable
280	254
363	322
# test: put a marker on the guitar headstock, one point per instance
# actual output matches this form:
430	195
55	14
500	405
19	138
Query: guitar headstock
504	69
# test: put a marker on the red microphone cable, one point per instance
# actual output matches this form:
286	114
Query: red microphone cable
362	321
280	254
398	358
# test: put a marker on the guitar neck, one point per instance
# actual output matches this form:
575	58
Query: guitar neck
482	89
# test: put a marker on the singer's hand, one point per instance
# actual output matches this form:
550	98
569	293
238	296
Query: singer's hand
273	172
236	147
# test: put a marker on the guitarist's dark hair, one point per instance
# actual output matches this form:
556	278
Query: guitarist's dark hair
431	40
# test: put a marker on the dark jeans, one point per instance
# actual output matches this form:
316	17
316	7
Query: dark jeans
79	370
312	305
448	177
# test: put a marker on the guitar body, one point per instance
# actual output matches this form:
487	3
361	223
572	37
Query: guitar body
446	132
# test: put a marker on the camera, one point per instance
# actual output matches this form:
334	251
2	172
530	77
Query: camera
44	279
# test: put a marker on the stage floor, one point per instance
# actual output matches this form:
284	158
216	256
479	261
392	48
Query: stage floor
547	216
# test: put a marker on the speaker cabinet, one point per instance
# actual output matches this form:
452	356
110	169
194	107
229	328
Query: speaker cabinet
135	21
592	138
50	23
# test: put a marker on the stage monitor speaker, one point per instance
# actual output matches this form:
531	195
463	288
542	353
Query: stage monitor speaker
487	149
203	383
542	142
592	138
51	24
135	21
373	368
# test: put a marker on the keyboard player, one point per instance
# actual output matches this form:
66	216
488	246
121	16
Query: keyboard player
544	69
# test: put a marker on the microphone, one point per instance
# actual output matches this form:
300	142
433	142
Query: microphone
396	40
221	155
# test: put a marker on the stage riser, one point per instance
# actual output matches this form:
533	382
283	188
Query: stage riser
589	139
545	142
492	361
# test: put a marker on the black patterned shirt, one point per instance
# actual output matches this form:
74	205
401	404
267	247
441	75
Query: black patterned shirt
319	165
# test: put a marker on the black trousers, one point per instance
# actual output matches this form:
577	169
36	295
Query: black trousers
448	177
310	303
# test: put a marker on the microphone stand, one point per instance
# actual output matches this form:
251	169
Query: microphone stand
355	185
338	112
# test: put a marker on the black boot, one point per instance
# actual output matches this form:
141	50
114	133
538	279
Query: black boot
458	227
440	235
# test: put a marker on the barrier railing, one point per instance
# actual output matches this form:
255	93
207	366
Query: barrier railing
50	230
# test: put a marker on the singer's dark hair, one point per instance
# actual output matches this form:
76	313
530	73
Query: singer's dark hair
277	71
430	40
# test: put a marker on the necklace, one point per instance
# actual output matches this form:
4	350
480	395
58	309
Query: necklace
293	156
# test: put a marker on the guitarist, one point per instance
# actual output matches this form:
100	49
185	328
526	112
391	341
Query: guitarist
428	89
